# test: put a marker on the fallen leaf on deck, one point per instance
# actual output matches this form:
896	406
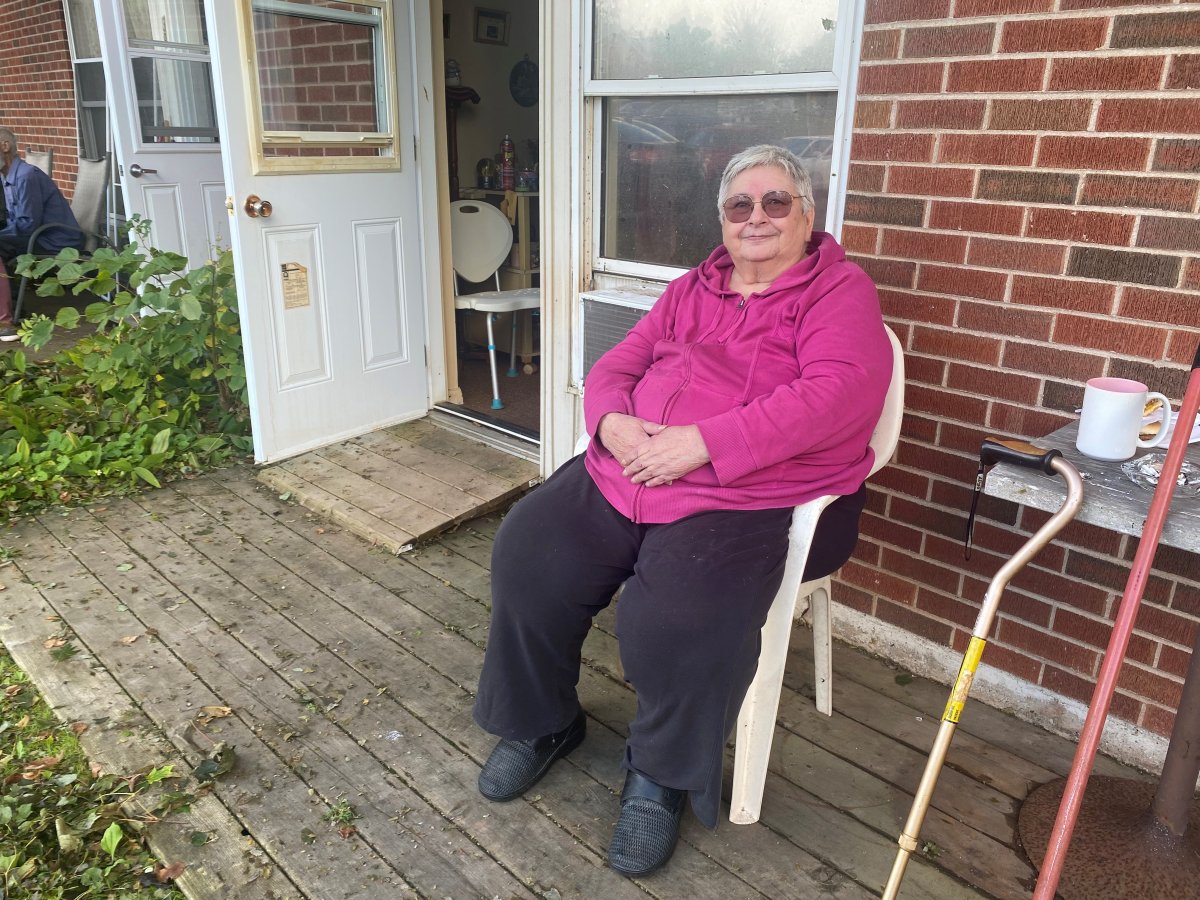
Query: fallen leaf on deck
130	638
79	727
170	873
51	643
124	567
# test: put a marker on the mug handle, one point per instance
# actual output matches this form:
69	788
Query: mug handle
1157	439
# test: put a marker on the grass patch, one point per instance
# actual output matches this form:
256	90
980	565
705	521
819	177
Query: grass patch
66	830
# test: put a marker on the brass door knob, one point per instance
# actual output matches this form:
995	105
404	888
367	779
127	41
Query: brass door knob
257	207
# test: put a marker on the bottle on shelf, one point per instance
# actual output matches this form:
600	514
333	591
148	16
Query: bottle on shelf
508	164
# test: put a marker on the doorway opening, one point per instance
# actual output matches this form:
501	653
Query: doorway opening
491	60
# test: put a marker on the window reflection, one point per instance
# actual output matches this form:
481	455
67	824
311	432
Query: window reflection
664	157
681	38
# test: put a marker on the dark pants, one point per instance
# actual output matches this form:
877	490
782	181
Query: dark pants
696	594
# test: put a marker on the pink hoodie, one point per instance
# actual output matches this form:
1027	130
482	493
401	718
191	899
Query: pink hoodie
786	386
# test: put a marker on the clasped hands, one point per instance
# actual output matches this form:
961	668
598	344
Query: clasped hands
652	454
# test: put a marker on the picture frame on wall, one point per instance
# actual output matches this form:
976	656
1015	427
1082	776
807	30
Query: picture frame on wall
491	26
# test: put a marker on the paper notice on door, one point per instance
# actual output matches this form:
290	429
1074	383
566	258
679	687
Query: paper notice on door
295	286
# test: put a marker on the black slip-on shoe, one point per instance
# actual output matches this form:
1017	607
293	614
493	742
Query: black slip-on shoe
648	828
516	766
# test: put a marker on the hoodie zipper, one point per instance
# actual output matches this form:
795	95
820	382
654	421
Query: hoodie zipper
666	414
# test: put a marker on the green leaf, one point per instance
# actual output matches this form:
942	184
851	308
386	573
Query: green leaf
161	441
161	773
199	838
146	475
190	309
68	317
113	836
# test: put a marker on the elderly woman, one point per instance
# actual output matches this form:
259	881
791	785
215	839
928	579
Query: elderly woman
753	385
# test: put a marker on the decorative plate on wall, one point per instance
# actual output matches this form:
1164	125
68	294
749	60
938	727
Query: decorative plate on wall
523	82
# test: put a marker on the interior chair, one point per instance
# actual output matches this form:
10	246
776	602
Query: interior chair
481	239
756	721
87	205
42	159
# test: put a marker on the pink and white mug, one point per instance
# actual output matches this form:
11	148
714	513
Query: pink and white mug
1112	417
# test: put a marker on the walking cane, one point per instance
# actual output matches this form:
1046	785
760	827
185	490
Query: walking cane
993	451
1114	656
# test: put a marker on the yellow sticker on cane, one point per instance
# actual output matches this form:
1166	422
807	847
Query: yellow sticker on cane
962	684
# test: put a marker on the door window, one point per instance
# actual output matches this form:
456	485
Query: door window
322	70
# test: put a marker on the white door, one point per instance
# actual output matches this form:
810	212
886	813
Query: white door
315	102
164	122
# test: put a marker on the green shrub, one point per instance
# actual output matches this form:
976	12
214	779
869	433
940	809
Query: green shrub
158	391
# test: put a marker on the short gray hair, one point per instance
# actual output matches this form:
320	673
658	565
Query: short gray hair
767	155
7	135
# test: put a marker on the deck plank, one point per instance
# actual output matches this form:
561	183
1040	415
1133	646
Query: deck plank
482	484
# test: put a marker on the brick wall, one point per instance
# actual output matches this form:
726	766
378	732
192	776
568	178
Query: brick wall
37	86
1024	186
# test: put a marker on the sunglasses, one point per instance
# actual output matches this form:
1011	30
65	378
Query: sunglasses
775	204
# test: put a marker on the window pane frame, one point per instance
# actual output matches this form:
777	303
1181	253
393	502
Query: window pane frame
387	143
842	80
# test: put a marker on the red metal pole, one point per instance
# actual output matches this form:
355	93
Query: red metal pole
1089	738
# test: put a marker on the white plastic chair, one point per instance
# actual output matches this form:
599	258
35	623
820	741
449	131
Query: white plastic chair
756	721
480	241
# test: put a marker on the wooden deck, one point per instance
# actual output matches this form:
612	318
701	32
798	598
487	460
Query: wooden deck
348	673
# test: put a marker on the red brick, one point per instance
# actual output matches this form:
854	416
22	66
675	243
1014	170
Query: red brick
1166	625
1176	195
933	181
895	147
1173	661
1028	186
950	609
1109	336
924	370
957	345
1175	561
883	584
1047	646
934	459
969	9
899	78
986	149
961	281
989	382
1182	347
853	598
944	404
860	238
1063	591
924	245
997	76
1012	662
1106	73
1159	720
1169	381
865	177
1082	629
922	571
1003	318
988	218
1053	35
1155	269
1061	293
883	44
1053	361
1158	306
1177	155
1174	29
880	11
917	307
885	210
1170	233
961	114
873	114
950	551
1152	116
1089	537
1185	73
1079	226
1022	422
1071	685
888	272
1104	4
949	40
867	552
902	481
1024	256
914	622
921	515
1095	153
1142	683
1040	115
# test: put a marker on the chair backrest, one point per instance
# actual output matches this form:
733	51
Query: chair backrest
87	203
42	159
887	432
480	239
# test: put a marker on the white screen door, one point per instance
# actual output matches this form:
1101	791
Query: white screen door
315	102
164	123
